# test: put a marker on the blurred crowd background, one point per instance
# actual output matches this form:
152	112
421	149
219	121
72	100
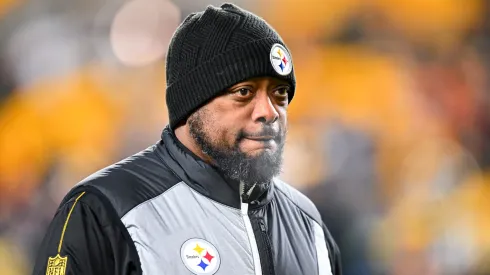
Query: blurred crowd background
389	129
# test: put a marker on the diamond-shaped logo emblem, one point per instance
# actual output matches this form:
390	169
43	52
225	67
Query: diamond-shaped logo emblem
200	256
281	59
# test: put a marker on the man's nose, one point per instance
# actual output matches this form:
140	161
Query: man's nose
264	109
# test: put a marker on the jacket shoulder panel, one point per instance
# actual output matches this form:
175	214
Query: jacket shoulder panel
299	200
131	181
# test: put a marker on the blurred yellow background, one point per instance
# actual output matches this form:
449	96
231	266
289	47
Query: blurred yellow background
389	128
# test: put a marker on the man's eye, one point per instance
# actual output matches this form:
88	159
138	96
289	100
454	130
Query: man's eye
282	91
244	92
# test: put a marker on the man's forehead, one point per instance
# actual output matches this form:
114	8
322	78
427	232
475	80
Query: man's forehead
263	79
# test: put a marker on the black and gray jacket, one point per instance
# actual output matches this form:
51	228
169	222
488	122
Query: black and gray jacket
164	211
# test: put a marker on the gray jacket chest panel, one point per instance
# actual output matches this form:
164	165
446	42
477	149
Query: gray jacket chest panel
160	227
293	243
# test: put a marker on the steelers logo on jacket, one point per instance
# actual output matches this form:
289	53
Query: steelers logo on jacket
200	256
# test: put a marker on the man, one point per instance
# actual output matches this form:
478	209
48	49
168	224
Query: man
203	200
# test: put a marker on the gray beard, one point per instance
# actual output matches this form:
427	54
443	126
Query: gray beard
232	163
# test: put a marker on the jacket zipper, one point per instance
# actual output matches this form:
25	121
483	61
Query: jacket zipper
265	248
250	232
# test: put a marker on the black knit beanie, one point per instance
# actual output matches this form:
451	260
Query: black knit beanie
216	49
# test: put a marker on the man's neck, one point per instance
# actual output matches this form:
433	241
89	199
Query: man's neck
183	135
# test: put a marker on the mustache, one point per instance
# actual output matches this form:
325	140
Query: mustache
277	134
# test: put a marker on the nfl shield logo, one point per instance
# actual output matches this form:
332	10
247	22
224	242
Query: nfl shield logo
56	265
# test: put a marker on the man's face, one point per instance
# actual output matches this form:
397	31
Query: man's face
243	131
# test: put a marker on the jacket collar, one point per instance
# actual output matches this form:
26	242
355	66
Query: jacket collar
204	178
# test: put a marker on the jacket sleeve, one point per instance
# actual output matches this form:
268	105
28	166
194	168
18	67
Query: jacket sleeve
83	238
334	252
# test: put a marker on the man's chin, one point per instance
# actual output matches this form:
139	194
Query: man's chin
259	152
256	150
258	166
